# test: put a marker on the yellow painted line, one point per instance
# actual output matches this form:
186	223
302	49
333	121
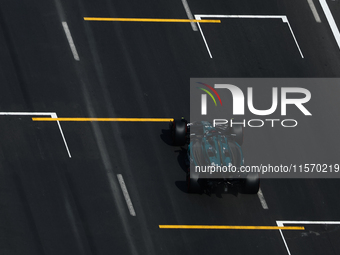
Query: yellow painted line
106	119
229	227
153	20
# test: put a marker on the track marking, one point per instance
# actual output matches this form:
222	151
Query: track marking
262	200
285	20
284	241
106	119
126	195
70	41
205	41
331	21
189	14
52	114
230	227
151	20
281	224
282	17
314	11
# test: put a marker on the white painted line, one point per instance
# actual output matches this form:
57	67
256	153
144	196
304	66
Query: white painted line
189	14
52	114
240	16
284	241
281	224
205	42
314	11
291	30
126	195
26	113
262	200
282	17
70	41
331	21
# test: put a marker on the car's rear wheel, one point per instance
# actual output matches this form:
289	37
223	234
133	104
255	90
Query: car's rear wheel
237	130
192	183
251	184
179	132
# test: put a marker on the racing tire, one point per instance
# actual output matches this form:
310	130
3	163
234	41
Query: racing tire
251	184
237	130
192	183
179	132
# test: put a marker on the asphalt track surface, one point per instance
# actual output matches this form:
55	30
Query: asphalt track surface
51	203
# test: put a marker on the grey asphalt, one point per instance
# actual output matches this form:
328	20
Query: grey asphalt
53	204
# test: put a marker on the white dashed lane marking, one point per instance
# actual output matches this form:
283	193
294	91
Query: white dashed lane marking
189	14
70	41
314	11
126	195
262	200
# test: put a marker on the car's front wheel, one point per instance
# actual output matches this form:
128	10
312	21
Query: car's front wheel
179	132
192	183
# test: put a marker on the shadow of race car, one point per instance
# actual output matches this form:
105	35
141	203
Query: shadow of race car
218	147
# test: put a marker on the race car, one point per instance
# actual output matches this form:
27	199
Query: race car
218	146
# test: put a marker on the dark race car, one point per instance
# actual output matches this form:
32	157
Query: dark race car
217	147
